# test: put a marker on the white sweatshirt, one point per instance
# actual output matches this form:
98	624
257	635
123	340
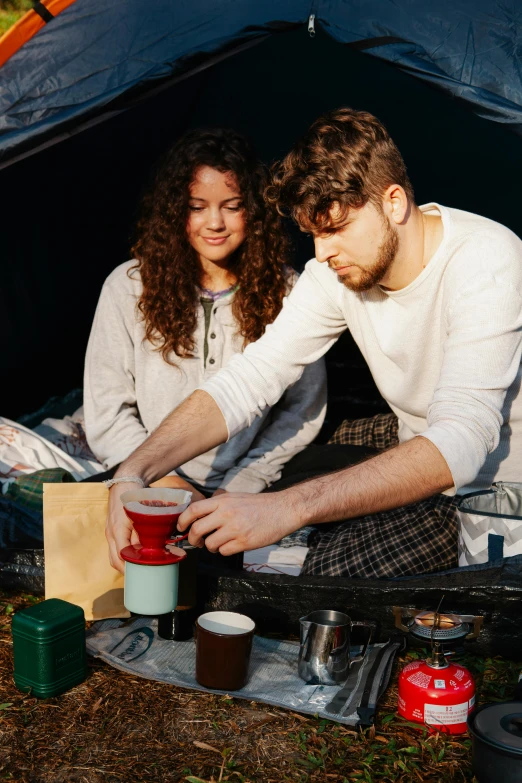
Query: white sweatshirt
129	389
444	351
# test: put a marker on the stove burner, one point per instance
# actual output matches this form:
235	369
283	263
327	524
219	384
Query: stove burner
419	623
450	627
440	634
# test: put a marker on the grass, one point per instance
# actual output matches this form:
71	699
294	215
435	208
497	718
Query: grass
11	11
115	727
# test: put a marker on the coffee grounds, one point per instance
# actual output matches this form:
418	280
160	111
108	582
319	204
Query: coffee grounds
157	503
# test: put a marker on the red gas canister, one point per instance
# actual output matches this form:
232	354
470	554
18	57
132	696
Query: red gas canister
437	693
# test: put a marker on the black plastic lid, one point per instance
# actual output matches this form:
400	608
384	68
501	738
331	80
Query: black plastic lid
500	725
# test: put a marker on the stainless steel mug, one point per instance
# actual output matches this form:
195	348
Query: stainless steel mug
324	654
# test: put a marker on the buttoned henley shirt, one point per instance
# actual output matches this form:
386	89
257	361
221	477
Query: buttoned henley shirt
129	389
444	351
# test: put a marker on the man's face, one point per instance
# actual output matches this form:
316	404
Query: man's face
361	250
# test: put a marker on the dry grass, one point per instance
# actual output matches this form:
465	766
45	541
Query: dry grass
114	727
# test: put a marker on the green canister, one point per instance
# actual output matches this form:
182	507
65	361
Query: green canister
49	648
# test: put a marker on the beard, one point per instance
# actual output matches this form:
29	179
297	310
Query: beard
372	276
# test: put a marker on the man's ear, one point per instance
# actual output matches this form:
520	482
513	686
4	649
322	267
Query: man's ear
395	204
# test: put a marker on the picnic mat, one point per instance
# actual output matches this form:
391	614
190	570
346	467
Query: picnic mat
134	646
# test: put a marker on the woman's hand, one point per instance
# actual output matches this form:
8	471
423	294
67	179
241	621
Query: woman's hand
175	482
119	531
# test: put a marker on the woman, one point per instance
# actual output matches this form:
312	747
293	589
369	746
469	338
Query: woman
210	273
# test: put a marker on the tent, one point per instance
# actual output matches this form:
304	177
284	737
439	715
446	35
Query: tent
92	92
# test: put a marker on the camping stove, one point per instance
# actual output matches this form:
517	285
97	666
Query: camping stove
437	692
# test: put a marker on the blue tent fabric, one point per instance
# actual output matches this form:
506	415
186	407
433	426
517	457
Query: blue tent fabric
96	51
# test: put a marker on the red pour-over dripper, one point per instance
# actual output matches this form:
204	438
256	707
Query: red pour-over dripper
154	525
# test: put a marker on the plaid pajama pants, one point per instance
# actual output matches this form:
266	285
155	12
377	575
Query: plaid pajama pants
416	539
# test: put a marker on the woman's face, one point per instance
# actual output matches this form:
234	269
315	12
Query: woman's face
216	224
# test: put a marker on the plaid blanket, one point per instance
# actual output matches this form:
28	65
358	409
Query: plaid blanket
416	539
27	490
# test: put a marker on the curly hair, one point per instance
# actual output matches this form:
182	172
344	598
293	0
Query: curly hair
169	266
346	159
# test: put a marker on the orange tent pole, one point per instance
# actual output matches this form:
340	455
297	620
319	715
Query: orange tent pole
27	26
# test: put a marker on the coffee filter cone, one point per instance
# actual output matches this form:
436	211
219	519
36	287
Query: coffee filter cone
132	500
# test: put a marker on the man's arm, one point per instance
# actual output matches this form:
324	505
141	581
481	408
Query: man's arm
404	474
292	425
482	320
195	426
309	323
235	523
311	320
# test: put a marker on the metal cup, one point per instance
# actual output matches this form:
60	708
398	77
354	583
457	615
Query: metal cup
324	653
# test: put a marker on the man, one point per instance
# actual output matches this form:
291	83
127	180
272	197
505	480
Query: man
432	297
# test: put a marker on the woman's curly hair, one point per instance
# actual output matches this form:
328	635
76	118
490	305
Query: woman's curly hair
169	266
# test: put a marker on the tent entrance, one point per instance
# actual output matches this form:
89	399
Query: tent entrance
69	209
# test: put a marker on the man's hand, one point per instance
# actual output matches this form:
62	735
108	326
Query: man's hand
237	522
119	531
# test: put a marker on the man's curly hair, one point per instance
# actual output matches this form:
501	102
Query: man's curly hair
346	159
169	266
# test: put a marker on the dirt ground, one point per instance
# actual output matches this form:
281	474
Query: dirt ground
114	727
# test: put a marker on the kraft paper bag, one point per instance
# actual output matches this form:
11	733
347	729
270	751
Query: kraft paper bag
77	565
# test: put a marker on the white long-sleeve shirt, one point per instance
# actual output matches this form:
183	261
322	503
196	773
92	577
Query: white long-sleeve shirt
444	352
129	389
